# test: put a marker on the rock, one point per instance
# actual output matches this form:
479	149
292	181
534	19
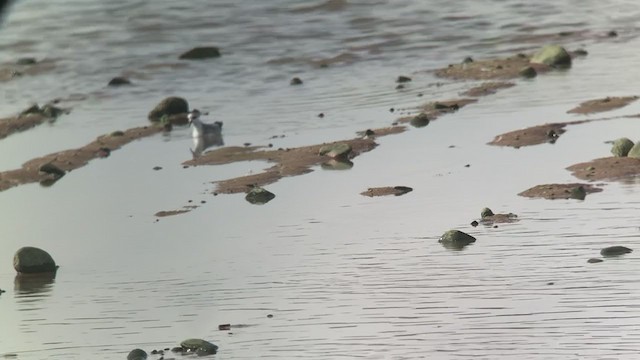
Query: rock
1	291
634	152
403	79
615	251
594	260
528	72
137	354
552	55
420	120
201	53
467	60
224	327
456	239
336	151
580	52
32	260
486	212
474	223
199	346
612	33
119	81
51	111
578	193
170	106
52	170
259	196
295	81
337	164
621	147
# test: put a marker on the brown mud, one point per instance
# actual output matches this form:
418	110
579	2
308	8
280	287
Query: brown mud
601	105
72	159
609	168
491	69
16	124
540	134
559	191
487	88
12	71
386	191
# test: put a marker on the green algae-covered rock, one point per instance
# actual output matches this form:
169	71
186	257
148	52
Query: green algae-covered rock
199	346
137	354
634	152
621	147
615	251
456	239
32	260
172	105
339	150
578	193
528	72
486	212
259	196
552	55
420	120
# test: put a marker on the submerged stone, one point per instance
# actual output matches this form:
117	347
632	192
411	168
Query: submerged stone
456	239
615	251
201	53
578	193
32	260
199	346
528	72
403	79
137	354
552	55
259	196
296	81
51	169
119	81
594	260
621	147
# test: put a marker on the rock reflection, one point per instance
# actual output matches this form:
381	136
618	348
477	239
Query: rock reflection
29	285
335	164
204	142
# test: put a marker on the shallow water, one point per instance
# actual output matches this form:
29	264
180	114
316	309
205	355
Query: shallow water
343	275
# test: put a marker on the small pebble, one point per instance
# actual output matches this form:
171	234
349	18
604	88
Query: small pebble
474	223
247	144
270	316
321	115
295	81
468	165
202	202
403	79
156	168
594	260
495	226
224	327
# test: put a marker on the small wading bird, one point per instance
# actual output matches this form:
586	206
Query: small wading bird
201	129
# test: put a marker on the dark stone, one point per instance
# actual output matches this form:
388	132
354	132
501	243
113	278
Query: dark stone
403	79
224	327
528	72
486	212
420	120
119	81
295	81
400	87
612	33
26	61
401	190
269	316
467	60
201	53
578	193
199	346
369	132
456	239
156	168
104	152
137	354
615	251
321	115
594	260
169	106
117	133
580	52
259	196
32	260
474	223
50	169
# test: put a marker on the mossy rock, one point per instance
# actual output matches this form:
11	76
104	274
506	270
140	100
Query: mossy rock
486	212
615	251
201	53
170	106
634	152
137	354
621	147
456	239
199	346
336	151
32	260
552	55
420	120
528	72
259	196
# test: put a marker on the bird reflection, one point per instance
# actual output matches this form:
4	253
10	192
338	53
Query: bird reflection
201	143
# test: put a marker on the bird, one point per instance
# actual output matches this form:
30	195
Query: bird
201	129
